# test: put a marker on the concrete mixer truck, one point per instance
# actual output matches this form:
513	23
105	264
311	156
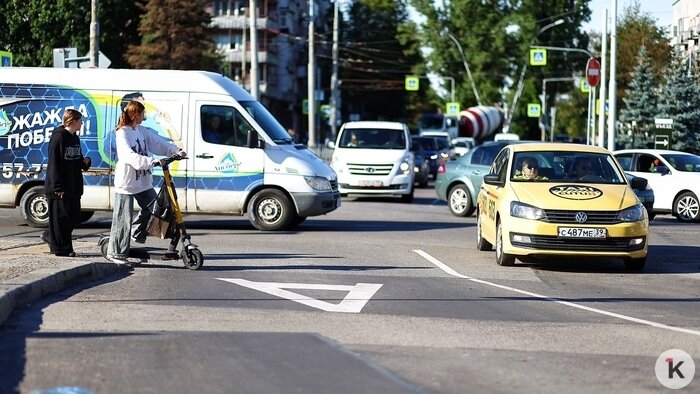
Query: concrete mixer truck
480	122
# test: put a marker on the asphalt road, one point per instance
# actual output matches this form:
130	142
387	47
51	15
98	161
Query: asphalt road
379	296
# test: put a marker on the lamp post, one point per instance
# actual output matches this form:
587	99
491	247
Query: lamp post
466	67
521	80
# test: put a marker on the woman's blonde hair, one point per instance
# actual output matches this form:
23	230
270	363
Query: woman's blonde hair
70	116
126	118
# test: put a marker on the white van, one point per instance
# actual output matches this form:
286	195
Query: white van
254	168
374	158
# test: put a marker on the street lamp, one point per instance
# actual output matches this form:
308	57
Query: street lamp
521	80
466	66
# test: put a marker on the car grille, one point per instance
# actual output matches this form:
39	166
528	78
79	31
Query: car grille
619	244
594	217
370	169
334	184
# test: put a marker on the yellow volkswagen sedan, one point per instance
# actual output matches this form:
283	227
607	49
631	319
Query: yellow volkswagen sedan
545	199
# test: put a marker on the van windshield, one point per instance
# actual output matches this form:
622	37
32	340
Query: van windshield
272	128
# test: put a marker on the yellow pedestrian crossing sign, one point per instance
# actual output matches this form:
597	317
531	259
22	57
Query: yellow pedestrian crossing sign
452	108
538	57
534	110
5	59
597	106
412	83
585	87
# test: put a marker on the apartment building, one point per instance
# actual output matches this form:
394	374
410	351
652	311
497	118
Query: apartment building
282	51
685	34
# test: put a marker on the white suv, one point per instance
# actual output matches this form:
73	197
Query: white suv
374	158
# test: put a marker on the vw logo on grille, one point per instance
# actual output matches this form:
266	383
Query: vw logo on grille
370	169
581	217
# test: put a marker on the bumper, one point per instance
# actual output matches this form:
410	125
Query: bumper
314	204
398	185
531	237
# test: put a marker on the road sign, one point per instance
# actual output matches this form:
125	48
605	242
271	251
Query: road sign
5	59
585	87
325	111
662	141
538	57
452	108
662	137
534	110
412	83
663	123
593	72
597	106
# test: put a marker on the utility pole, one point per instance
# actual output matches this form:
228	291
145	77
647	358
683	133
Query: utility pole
311	76
613	84
253	50
334	76
94	35
603	70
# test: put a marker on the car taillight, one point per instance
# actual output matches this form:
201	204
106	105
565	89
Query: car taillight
441	168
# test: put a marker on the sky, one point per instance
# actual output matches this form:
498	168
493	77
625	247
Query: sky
661	10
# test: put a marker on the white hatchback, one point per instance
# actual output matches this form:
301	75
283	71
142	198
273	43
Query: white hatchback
674	177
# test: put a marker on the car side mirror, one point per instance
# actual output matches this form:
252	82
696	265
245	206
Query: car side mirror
331	144
639	183
663	170
494	180
254	140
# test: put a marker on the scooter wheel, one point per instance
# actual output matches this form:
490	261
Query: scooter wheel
194	259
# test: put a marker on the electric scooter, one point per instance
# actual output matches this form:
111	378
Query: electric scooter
167	222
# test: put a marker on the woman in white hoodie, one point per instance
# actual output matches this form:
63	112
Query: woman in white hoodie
133	178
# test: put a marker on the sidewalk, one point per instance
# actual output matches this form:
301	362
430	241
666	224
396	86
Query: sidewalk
29	272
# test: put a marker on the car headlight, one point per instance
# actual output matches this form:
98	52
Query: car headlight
525	211
433	157
632	214
318	182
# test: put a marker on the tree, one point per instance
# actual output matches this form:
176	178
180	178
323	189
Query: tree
378	49
641	101
33	28
496	37
680	101
174	36
637	29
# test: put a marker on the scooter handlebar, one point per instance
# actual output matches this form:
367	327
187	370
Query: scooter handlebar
165	161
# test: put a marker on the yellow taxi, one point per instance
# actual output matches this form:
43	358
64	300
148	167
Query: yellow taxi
556	199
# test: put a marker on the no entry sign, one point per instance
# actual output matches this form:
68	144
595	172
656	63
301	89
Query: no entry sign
593	72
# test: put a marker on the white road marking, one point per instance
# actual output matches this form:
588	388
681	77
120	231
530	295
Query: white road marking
354	301
452	272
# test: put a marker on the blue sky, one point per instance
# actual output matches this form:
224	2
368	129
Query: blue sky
661	10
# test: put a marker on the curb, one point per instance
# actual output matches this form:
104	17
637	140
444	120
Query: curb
29	287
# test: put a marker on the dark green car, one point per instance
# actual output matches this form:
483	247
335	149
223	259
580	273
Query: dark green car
458	181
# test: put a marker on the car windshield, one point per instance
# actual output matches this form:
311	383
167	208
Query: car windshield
442	142
685	163
272	128
373	139
426	142
565	166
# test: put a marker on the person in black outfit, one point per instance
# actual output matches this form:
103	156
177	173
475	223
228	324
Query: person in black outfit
64	184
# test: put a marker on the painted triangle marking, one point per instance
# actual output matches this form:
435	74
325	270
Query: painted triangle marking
354	301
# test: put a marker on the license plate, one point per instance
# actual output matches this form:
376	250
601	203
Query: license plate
581	232
370	184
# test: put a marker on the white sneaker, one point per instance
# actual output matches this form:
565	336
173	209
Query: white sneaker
118	260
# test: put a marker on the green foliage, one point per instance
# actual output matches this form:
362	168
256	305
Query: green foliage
680	101
378	49
174	36
33	28
641	100
496	37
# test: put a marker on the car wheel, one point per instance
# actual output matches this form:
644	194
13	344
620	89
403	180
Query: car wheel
34	207
270	210
502	258
481	243
687	208
460	202
635	264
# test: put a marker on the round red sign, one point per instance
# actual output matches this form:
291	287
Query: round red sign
593	72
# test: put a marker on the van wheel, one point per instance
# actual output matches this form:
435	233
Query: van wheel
407	198
270	210
502	258
687	207
34	207
460	202
86	215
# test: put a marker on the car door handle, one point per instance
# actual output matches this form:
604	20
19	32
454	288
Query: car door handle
476	172
204	156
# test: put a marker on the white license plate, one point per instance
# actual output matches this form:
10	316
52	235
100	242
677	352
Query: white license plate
581	232
370	183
